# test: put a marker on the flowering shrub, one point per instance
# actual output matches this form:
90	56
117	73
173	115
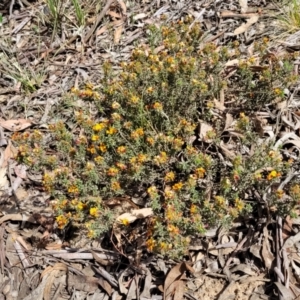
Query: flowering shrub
144	140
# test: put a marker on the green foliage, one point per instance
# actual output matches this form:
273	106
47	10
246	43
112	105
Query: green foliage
145	140
289	19
79	13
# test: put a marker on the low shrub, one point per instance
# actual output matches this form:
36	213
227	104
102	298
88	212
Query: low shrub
146	141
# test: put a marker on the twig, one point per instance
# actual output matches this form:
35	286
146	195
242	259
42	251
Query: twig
12	3
277	269
278	248
238	248
2	249
100	17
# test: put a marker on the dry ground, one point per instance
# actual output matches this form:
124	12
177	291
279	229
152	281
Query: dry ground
40	60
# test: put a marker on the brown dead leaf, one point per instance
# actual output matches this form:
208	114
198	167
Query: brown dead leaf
21	193
82	283
135	214
50	275
15	125
173	280
105	285
3	180
139	16
114	14
287	228
123	6
229	154
118	30
101	30
9	152
266	252
203	130
259	126
284	291
219	105
103	262
243	5
258	68
162	47
233	62
20	171
20	239
53	246
228	122
244	27
179	290
56	267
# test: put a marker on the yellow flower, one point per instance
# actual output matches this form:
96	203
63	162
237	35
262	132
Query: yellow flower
141	158
200	172
279	193
125	221
121	166
158	106
134	99
81	206
193	209
115	186
239	204
150	141
233	212
111	130
170	176
112	172
174	230
61	221
163	246
133	160
172	214
115	105
151	244
116	116
121	149
177	186
183	122
127	125
210	104
191	182
177	143
91	234
137	133
277	91
99	159
73	189
94	211
220	200
74	202
162	158
99	126
273	174
272	153
152	192
170	60
191	150
102	148
150	90
169	194
89	166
